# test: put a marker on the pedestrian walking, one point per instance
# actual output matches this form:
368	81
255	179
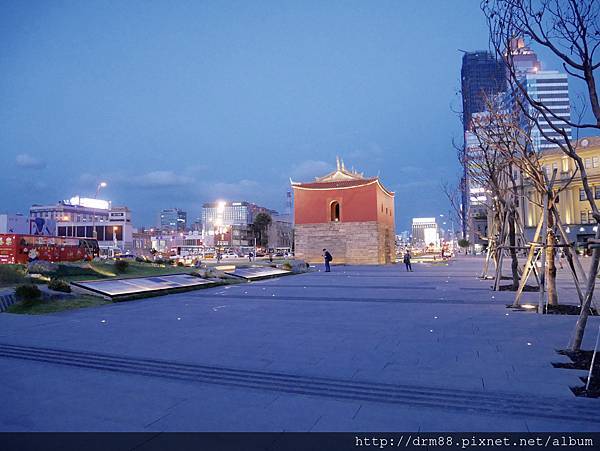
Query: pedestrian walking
561	259
250	255
328	258
407	261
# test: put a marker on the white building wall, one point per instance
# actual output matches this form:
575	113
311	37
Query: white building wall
14	223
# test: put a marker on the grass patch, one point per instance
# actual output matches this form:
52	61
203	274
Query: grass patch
59	305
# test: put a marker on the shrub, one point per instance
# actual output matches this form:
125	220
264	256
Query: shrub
28	294
287	266
208	273
11	274
140	259
42	267
463	243
59	285
179	263
121	265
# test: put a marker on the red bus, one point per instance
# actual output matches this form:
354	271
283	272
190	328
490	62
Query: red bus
21	249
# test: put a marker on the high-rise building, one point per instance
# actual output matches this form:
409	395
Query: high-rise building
172	220
551	88
230	213
482	74
524	60
425	232
231	222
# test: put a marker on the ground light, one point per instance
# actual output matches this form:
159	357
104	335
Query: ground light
529	306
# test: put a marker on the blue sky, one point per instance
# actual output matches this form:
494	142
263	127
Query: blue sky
178	103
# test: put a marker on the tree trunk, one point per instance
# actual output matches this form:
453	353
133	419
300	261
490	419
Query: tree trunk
589	293
550	259
513	251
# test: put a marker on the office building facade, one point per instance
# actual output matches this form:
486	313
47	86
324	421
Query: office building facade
80	217
551	88
482	75
172	220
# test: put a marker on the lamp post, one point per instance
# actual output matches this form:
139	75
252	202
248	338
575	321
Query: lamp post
95	233
115	242
219	223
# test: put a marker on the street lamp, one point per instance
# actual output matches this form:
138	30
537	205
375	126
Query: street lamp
115	242
95	233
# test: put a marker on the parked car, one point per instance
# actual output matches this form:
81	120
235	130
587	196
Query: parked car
230	255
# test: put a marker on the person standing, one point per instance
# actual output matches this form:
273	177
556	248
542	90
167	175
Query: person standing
407	261
327	257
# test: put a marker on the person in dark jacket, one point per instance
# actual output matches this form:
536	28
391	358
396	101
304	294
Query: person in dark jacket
407	261
327	257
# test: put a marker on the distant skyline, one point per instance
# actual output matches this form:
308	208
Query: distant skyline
178	104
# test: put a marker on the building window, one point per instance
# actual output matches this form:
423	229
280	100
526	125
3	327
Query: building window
597	192
582	194
334	211
583	217
588	163
595	161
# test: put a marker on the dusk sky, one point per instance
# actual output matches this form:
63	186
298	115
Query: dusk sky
174	104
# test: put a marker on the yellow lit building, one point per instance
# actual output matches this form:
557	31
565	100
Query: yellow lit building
573	206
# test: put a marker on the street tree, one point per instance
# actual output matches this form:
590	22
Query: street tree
262	221
570	30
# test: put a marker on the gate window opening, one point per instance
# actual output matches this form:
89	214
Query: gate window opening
335	211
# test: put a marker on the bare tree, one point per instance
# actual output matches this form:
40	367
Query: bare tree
514	142
570	29
454	195
491	168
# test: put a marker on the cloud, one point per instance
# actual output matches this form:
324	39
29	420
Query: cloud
25	160
309	169
416	184
232	191
160	179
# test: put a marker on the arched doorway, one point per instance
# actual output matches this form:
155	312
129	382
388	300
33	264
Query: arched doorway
334	211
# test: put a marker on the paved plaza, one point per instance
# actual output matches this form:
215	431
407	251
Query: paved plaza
361	348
